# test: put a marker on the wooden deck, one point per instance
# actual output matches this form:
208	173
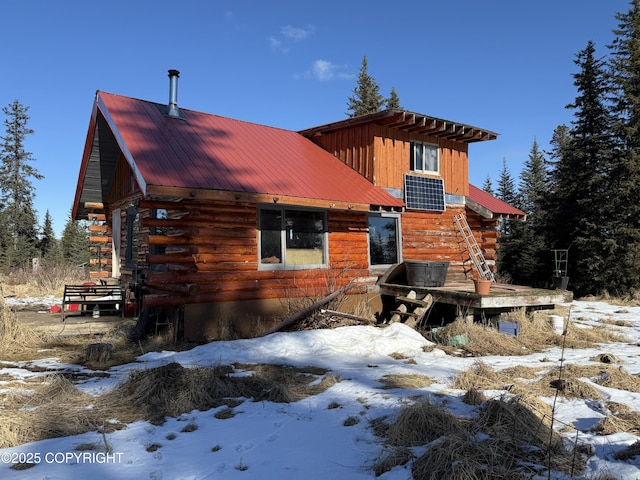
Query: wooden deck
501	296
461	295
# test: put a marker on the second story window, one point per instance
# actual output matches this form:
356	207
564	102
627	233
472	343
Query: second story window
425	157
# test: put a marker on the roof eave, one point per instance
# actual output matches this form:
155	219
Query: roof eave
487	213
121	143
176	193
411	122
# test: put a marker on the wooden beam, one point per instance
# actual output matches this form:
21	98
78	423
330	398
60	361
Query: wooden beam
223	195
94	205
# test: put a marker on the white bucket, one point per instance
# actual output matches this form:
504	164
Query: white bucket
557	322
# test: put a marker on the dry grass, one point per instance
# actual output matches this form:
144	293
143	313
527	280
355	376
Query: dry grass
474	396
539	381
172	389
423	422
55	407
45	281
535	334
618	378
483	377
630	452
623	422
15	338
510	439
408	381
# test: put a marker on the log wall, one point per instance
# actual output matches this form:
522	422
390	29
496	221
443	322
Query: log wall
434	236
211	255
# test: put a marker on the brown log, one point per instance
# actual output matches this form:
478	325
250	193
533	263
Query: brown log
98	239
346	315
305	312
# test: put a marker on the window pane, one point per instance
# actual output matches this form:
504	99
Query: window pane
304	237
417	151
431	158
383	240
161	214
270	236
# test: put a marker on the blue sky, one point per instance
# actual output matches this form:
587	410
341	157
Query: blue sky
501	65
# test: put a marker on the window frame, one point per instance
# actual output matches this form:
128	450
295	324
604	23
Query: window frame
413	144
398	221
283	265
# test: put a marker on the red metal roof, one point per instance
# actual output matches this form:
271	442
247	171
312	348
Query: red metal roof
493	204
213	152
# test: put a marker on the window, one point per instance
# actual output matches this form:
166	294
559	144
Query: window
292	238
384	239
425	157
160	214
133	229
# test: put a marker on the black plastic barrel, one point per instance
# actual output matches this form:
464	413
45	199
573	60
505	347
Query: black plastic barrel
426	274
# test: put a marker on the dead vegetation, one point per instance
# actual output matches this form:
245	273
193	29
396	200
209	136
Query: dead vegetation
47	281
54	407
15	338
535	334
569	381
510	438
406	381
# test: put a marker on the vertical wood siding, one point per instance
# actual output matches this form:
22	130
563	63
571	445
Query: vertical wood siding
381	154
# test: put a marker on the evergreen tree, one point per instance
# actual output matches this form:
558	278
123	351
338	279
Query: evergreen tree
625	175
506	186
507	253
74	243
366	95
49	245
393	102
529	264
487	186
580	200
19	242
48	237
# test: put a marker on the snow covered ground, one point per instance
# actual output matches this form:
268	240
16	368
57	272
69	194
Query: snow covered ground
307	439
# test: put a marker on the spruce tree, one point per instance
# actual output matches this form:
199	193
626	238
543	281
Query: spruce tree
507	253
74	243
531	254
625	175
580	200
366	95
487	186
19	242
49	246
393	102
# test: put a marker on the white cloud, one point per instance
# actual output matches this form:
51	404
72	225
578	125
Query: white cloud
290	35
297	33
324	70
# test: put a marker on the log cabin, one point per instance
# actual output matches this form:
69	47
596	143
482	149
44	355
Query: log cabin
185	215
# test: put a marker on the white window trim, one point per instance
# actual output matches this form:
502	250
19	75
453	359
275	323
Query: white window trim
414	143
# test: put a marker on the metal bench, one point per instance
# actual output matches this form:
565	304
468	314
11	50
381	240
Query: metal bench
88	296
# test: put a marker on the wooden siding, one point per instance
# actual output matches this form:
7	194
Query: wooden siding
212	255
381	154
355	147
434	236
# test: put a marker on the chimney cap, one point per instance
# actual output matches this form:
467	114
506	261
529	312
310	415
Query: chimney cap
174	73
